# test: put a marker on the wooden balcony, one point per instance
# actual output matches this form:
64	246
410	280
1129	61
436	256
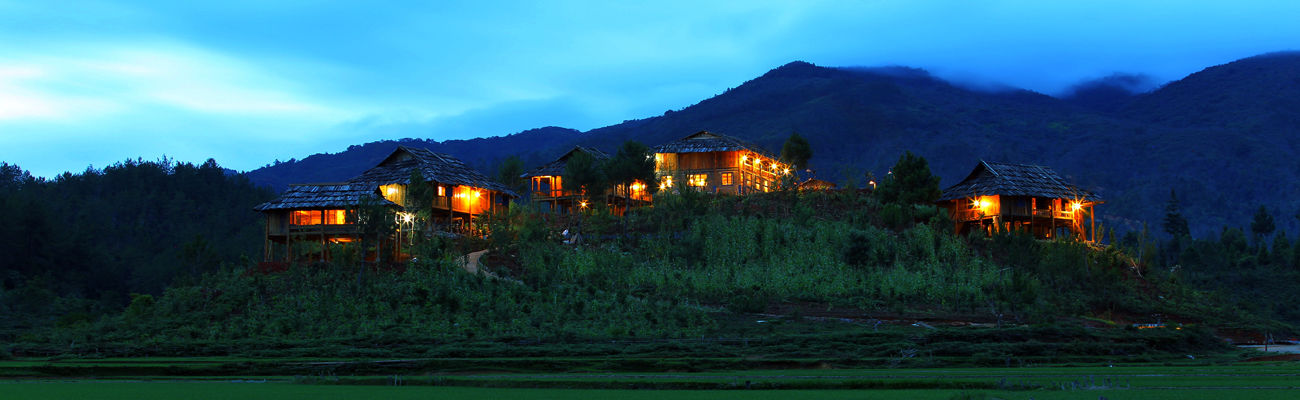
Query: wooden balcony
343	229
975	215
549	194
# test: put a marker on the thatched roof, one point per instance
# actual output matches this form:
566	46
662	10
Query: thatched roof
557	167
435	167
990	178
816	184
706	142
324	195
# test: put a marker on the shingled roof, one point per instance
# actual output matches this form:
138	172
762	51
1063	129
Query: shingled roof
557	167
705	142
991	178
324	195
436	167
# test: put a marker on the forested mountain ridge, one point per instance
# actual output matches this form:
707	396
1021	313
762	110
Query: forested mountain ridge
1223	138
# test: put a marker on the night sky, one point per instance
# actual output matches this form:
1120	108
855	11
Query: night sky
249	82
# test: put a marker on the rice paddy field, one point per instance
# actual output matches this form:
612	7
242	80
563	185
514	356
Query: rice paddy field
1276	380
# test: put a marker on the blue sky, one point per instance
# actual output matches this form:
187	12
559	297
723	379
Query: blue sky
249	82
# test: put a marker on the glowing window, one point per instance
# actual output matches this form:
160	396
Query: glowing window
305	217
442	191
697	180
336	217
726	179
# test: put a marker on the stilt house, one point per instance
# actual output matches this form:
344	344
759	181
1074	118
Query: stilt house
325	214
549	193
322	214
1000	197
717	163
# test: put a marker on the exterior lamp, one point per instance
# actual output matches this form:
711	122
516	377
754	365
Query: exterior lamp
1076	206
582	204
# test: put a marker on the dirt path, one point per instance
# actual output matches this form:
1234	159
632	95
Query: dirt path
471	265
1278	348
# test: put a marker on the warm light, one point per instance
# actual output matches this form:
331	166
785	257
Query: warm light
787	171
582	204
392	190
1076	206
477	194
405	218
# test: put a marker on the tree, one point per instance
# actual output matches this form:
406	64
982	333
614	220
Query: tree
910	182
1175	223
585	173
633	162
796	151
1263	224
508	173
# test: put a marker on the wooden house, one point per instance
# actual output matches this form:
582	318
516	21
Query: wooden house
1000	197
717	163
323	214
326	213
547	189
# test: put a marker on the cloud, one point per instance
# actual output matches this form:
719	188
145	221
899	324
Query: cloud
90	81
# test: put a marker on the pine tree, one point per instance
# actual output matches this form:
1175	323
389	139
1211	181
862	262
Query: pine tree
910	182
1175	224
585	173
1263	225
796	151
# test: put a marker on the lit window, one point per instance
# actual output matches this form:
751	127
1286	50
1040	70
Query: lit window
305	217
726	179
336	217
697	180
442	191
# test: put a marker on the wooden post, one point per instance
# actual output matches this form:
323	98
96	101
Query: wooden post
1092	214
266	241
323	248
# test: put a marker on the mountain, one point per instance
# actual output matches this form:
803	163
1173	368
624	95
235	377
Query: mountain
1223	138
482	153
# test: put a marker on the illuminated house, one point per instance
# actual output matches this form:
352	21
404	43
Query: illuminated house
716	163
323	214
999	197
547	190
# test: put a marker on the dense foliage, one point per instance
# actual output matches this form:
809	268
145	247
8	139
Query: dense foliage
78	244
696	265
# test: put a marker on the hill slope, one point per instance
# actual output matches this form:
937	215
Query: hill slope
860	119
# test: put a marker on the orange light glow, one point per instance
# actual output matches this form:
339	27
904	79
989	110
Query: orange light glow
1076	206
582	204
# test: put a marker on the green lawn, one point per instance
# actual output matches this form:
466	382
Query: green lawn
1239	382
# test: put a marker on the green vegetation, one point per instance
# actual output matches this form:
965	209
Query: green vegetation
1257	381
75	247
698	282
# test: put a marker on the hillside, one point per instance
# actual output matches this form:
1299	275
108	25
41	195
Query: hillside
860	119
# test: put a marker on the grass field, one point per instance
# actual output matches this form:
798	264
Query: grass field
1239	381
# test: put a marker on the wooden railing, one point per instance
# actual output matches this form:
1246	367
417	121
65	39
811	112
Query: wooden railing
555	193
973	215
326	229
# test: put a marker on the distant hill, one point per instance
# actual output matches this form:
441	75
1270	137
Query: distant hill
1224	138
481	153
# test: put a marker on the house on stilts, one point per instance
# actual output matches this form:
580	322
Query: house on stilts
308	219
1002	197
716	163
548	191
